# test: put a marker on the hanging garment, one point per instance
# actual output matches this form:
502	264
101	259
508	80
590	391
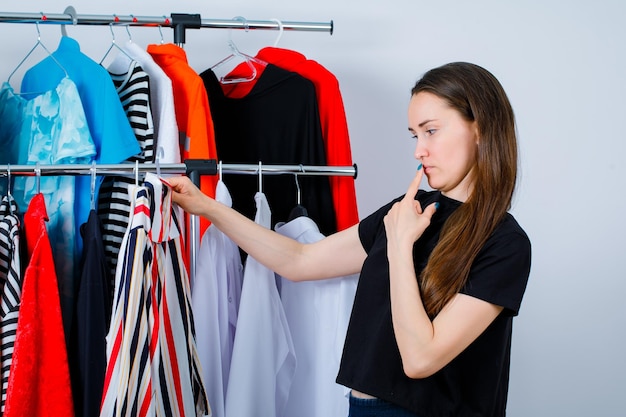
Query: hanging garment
152	363
11	286
39	383
216	292
161	104
276	123
54	131
108	125
193	116
87	349
263	360
332	118
132	85
318	313
11	114
334	126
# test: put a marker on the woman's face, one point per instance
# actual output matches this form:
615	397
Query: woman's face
447	144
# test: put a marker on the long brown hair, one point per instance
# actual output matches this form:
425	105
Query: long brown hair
478	96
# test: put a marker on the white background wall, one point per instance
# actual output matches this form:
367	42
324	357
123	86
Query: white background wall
563	64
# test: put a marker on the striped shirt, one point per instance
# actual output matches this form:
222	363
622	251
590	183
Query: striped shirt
11	286
133	88
152	362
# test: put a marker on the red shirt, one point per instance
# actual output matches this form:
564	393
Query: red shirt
39	382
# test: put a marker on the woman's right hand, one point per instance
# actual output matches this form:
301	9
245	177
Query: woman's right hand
187	195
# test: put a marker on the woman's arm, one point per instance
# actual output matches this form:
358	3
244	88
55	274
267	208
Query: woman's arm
425	346
337	255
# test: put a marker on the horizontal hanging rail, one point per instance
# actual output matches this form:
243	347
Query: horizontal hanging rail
165	21
202	167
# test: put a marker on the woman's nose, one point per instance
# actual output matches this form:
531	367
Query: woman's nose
420	151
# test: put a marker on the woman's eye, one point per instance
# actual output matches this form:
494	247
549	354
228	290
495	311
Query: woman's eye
431	132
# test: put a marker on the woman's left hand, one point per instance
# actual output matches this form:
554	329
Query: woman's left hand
406	221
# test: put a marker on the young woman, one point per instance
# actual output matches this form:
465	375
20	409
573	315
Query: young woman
442	273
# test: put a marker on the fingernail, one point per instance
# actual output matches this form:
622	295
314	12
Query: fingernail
419	166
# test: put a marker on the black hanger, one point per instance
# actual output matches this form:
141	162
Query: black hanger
299	210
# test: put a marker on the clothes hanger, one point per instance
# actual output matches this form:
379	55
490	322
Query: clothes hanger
9	196
114	45
161	31
280	32
40	44
37	178
236	53
159	154
299	210
92	171
260	178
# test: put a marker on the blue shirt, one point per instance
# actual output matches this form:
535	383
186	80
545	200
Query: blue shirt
109	127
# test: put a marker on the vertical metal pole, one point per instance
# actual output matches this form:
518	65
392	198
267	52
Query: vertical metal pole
194	231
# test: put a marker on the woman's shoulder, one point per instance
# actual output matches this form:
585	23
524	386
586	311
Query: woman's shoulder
510	225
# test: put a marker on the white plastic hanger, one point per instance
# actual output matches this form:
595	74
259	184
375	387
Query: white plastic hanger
280	31
236	53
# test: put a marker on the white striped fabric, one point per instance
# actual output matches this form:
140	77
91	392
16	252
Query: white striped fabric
152	362
133	88
11	286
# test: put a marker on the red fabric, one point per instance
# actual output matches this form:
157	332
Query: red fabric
193	114
39	383
332	118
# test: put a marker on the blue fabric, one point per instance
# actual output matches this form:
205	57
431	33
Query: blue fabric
361	407
11	114
109	127
54	131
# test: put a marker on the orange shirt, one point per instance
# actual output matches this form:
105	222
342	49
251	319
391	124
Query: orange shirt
193	114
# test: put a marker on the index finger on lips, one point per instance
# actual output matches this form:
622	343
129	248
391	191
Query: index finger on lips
415	184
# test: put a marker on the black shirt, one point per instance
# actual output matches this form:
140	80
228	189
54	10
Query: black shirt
475	383
278	122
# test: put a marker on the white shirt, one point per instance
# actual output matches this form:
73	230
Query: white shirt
215	299
161	104
263	361
318	313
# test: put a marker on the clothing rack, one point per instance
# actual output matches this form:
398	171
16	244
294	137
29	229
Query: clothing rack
193	168
179	22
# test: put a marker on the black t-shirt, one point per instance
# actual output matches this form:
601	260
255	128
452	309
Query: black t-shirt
475	383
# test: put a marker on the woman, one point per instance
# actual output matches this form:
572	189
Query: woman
442	272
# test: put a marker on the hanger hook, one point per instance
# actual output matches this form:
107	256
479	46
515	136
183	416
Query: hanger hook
92	170
160	154
130	37
38	177
9	179
280	31
219	170
38	31
112	33
260	177
71	11
161	33
244	21
298	193
246	27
